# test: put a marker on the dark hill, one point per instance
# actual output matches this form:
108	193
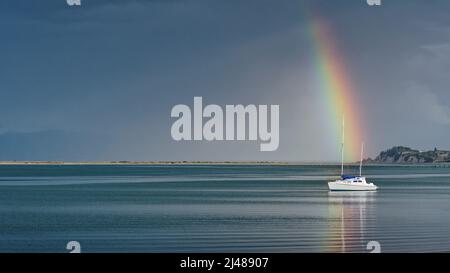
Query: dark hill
404	155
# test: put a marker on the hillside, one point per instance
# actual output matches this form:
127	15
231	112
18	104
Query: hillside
405	155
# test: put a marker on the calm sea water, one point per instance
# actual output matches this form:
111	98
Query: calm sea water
221	209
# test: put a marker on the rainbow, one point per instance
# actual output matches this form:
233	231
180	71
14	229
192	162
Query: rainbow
340	94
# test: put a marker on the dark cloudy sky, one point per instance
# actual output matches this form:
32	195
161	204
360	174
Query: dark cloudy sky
97	82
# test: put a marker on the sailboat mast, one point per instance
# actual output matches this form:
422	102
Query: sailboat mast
342	145
361	160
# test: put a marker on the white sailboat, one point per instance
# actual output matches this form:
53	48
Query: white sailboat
351	182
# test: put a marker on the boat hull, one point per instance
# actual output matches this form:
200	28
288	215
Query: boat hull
346	186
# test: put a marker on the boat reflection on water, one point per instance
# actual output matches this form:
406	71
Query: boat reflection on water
351	216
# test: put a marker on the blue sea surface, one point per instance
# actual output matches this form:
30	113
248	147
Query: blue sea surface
221	208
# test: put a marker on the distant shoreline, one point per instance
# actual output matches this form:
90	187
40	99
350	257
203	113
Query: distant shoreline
266	163
396	156
249	163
